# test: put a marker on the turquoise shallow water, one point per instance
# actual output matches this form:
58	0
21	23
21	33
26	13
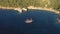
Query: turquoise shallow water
12	22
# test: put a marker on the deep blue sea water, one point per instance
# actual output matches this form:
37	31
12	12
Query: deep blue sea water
12	22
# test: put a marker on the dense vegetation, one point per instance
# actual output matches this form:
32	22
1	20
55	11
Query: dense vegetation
55	4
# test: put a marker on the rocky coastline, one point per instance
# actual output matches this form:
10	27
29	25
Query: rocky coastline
30	7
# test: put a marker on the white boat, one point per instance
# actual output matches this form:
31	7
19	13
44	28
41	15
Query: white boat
58	20
29	21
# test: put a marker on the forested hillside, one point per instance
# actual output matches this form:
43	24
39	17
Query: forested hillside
55	4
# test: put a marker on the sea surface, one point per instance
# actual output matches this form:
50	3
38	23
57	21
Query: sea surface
13	22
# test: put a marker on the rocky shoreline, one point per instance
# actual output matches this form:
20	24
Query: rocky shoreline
30	7
11	8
